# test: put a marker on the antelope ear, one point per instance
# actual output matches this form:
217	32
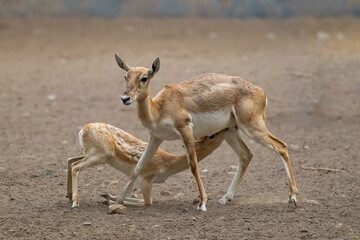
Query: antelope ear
121	63
155	66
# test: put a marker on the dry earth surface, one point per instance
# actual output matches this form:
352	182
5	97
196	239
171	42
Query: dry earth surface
59	74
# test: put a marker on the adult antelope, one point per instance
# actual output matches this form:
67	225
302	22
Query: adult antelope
201	106
106	144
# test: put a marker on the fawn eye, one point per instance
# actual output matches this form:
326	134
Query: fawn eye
212	136
125	78
144	79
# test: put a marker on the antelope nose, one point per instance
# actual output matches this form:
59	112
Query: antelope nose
125	99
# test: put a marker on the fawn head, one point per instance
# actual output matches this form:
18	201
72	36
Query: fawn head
210	142
137	80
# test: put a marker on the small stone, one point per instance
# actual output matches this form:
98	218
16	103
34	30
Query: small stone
194	219
179	195
185	210
304	231
113	182
51	97
100	168
340	36
213	35
346	147
168	220
87	223
231	173
12	198
165	193
312	202
117	208
196	200
294	147
270	36
323	35
64	142
205	171
306	147
350	231
233	166
339	225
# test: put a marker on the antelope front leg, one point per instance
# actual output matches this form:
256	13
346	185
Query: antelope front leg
188	140
150	150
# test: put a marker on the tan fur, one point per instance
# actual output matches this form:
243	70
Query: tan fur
106	144
180	111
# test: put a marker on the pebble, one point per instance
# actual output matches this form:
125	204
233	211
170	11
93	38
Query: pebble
213	35
194	219
339	225
306	147
166	193
113	182
323	35
340	36
51	97
168	220
270	36
87	223
117	208
294	147
185	210
312	202
232	173
205	171
179	195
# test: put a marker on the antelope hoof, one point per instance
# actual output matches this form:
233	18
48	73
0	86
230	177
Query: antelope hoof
201	207
224	199
292	199
74	208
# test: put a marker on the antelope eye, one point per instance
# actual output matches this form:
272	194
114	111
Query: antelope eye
144	79
212	136
125	78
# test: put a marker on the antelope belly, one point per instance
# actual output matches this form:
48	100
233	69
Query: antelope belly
208	123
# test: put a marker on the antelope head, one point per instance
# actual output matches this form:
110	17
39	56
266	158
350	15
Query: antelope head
137	80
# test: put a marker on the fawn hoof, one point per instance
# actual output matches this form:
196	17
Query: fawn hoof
292	200
225	199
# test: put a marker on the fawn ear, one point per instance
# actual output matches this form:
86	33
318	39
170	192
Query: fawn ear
121	63
155	66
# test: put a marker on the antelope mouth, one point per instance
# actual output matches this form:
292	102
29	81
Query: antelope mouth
126	100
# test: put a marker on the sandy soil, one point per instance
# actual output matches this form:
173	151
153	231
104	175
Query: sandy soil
57	75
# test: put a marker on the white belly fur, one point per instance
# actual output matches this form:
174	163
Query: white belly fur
208	123
202	124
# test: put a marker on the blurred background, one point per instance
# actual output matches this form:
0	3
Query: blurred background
58	72
179	8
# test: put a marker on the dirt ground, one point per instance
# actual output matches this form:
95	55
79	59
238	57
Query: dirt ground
57	75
